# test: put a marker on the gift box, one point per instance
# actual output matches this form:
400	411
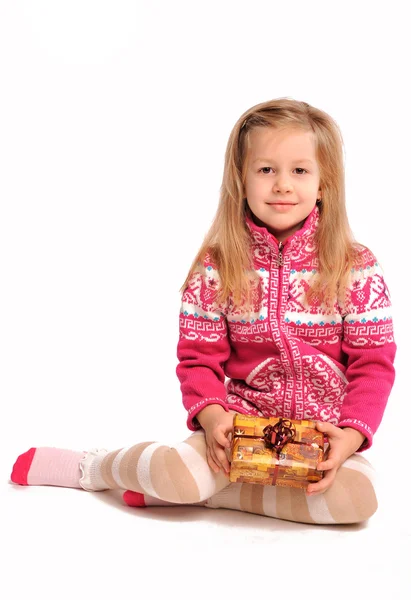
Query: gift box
275	451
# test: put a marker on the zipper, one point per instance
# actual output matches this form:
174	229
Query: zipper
280	260
280	263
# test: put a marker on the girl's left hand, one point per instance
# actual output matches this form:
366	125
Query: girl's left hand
343	443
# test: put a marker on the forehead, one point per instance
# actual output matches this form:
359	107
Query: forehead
287	143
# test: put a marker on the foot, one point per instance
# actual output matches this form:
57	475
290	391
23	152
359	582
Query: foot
48	466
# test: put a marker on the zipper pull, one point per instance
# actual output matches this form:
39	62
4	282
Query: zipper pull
280	260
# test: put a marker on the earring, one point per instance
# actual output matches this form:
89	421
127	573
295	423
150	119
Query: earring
318	201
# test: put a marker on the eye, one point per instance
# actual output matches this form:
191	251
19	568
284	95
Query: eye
297	168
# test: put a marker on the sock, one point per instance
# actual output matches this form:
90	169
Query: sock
142	500
48	466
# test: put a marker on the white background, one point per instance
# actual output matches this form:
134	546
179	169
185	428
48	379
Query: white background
114	118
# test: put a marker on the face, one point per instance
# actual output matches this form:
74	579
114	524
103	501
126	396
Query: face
282	179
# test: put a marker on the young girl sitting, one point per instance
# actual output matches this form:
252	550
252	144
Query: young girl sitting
282	315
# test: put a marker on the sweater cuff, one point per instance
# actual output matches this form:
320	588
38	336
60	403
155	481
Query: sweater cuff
362	428
192	422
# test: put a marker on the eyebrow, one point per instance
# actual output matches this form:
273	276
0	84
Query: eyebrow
299	160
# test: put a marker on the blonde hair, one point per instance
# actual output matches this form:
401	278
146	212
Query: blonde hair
228	240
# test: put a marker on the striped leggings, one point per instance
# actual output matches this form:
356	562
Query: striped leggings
181	475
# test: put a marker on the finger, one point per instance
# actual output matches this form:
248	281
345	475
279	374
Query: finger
222	459
212	464
215	458
221	438
331	463
323	485
332	460
328	428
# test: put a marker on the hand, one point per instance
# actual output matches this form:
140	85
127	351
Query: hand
217	425
343	443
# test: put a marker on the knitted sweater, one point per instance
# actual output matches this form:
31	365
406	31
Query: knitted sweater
287	358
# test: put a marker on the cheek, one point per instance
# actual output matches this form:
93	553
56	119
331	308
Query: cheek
255	186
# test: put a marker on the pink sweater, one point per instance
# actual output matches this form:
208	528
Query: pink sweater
288	358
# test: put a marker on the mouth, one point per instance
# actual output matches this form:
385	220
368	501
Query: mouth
281	207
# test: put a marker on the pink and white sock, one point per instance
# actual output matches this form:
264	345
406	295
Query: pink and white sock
48	466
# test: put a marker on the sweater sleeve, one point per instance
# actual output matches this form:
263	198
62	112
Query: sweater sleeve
368	343
203	346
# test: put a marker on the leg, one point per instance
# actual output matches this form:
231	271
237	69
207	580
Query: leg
351	498
141	500
178	475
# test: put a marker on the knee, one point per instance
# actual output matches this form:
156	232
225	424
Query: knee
366	502
185	478
353	499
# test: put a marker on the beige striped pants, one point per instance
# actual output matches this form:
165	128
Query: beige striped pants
181	475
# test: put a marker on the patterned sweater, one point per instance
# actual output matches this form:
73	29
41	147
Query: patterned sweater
287	358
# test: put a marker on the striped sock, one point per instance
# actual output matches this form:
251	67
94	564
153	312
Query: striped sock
176	475
350	499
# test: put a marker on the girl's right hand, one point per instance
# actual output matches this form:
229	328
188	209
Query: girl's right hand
217	425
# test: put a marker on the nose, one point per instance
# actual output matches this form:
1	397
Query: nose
282	184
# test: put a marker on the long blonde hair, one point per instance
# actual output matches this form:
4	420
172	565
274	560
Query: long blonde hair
229	241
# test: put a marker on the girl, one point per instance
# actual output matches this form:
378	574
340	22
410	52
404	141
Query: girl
283	314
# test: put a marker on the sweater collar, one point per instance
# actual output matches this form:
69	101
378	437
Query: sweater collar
261	235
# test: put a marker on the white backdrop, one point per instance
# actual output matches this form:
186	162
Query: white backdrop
114	117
